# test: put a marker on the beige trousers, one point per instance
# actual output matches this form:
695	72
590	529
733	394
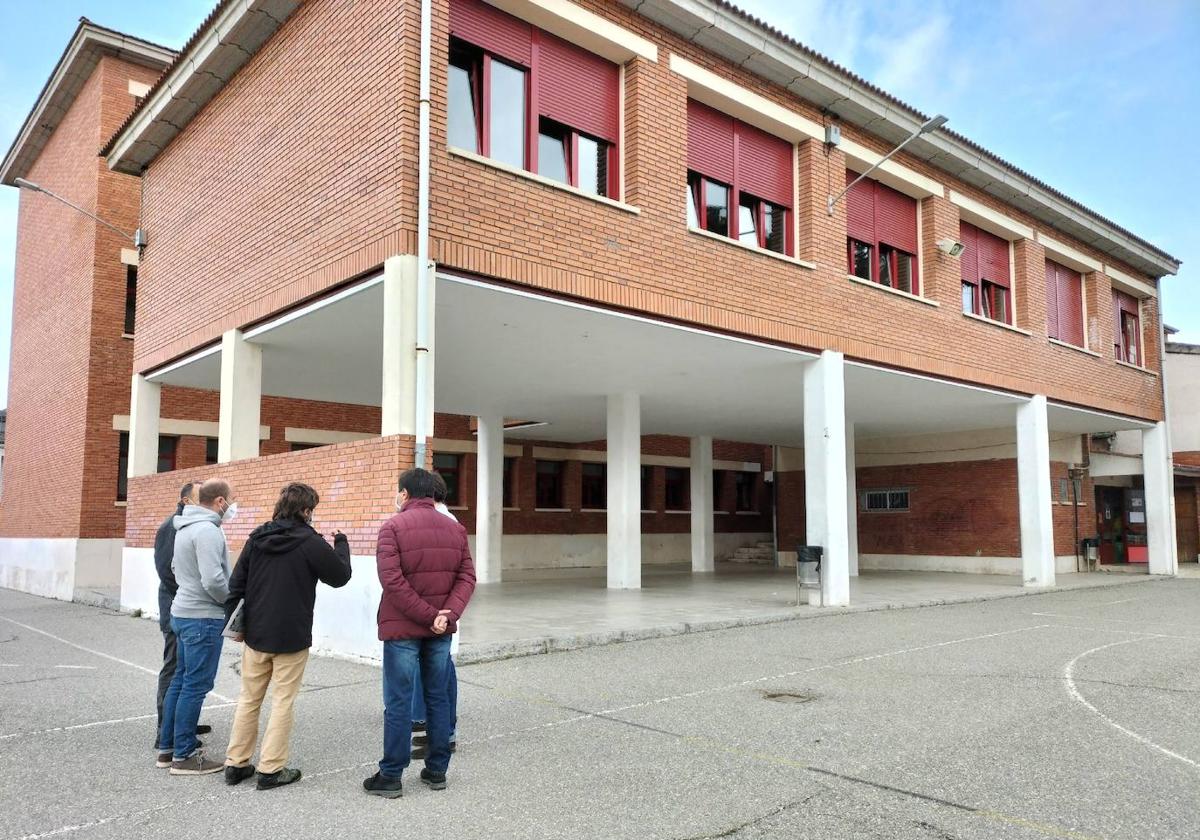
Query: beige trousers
285	670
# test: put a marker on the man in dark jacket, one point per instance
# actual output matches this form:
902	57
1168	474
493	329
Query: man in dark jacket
428	577
276	576
164	552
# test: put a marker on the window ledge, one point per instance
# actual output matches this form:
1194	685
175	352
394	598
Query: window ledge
853	278
120	504
540	179
754	249
127	335
552	510
993	323
1074	347
677	511
747	513
457	507
508	510
1136	367
649	511
593	510
719	512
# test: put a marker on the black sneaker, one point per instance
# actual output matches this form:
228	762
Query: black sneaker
421	751
279	778
435	781
236	775
418	726
203	729
381	785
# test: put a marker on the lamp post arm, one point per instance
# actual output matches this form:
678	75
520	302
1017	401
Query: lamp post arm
931	125
21	182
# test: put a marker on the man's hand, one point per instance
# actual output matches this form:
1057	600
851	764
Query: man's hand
442	622
238	637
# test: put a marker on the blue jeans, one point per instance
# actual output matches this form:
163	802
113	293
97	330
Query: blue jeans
198	656
403	660
418	713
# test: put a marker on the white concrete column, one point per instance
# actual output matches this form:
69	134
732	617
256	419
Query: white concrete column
489	498
1034	492
1159	480
624	491
703	544
851	501
825	473
144	401
241	398
398	408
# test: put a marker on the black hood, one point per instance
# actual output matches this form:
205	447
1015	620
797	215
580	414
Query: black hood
280	536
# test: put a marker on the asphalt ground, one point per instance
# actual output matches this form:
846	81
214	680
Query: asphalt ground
1065	715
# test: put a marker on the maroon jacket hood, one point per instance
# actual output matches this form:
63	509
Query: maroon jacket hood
424	566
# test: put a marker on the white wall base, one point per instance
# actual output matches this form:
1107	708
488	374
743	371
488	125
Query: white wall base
968	565
55	567
523	552
139	581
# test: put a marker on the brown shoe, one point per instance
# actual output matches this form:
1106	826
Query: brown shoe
195	765
164	760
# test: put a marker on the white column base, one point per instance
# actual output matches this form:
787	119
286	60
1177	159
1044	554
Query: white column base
1034	493
241	398
489	507
825	482
624	491
703	546
1159	481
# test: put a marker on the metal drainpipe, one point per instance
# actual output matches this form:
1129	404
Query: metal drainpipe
423	268
1162	378
775	504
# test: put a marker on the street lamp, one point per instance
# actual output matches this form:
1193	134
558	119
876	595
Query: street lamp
926	127
137	237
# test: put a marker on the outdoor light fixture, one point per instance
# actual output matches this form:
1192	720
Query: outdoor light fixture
950	247
137	237
926	127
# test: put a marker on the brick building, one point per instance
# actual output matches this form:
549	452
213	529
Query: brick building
1182	365
604	276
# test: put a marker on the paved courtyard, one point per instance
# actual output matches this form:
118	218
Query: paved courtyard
1063	715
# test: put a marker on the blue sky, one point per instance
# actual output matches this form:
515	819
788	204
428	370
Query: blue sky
1099	98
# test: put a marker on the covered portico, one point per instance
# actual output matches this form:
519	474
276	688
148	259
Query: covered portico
579	373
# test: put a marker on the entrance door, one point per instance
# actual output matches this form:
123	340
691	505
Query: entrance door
1187	527
1110	523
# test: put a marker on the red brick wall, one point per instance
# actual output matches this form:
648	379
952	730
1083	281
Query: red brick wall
1187	518
1189	458
356	482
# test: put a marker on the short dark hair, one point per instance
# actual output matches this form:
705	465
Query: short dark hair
294	499
186	490
418	483
440	490
212	489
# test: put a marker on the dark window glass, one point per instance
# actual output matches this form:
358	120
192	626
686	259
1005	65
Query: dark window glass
718	489
595	486
902	279
884	500
167	447
210	451
463	117
968	297
593	165
510	468
860	259
553	141
693	199
449	467
130	297
507	114
748	220
744	484
300	447
994	302
550	484
122	467
1130	327
716	208
775	228
886	265
677	488
898	500
647	487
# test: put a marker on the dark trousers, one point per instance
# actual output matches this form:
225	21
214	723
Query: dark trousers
402	660
165	676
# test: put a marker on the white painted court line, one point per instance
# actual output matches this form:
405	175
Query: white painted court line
1127	632
126	662
1073	691
97	723
1139	622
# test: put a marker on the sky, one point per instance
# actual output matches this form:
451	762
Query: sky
1098	98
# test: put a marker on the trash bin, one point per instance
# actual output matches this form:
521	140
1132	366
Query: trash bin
808	573
1090	548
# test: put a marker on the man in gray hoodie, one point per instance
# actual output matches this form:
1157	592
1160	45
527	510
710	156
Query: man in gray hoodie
201	567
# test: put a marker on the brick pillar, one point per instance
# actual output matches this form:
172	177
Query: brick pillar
941	274
1097	296
1029	262
822	238
655	132
1151	335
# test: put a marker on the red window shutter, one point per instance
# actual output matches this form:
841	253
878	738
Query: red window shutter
993	259
1125	302
895	219
1070	305
860	209
710	142
577	88
968	260
495	31
764	164
1052	325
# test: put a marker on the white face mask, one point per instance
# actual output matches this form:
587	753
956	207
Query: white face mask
230	513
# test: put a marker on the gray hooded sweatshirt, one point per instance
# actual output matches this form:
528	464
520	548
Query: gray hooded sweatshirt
201	564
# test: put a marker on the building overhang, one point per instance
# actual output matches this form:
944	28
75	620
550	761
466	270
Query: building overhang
88	45
719	27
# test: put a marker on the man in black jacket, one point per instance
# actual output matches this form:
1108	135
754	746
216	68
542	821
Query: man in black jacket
164	553
276	576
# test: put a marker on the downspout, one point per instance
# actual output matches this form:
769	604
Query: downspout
422	407
1167	445
775	505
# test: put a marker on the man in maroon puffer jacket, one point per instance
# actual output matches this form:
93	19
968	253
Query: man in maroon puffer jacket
428	577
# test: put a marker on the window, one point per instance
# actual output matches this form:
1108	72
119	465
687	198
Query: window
130	298
509	493
735	165
501	68
986	274
1064	304
1127	333
879	501
300	447
718	489
168	446
881	235
549	484
647	487
210	451
1064	491
449	467
677	488
167	449
595	486
744	484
